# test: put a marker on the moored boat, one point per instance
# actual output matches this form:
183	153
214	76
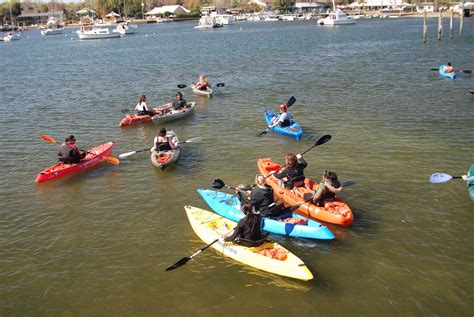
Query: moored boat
97	33
228	206
336	212
294	130
210	227
94	156
336	17
173	114
126	28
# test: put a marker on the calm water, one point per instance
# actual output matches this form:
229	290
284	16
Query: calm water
98	244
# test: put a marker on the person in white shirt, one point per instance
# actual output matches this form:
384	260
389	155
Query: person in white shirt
141	107
284	119
164	141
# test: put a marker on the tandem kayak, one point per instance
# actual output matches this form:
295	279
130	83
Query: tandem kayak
228	206
173	114
447	75
94	156
294	130
269	256
336	212
207	93
470	184
163	159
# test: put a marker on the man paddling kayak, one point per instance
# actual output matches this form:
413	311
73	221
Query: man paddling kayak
164	141
449	69
69	153
327	189
179	103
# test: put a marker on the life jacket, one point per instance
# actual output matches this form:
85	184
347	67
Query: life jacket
252	234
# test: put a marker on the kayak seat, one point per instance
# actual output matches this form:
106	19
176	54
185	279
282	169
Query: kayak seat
269	166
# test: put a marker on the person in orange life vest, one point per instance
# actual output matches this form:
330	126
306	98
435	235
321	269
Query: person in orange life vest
164	141
69	153
292	175
202	84
327	189
448	69
283	120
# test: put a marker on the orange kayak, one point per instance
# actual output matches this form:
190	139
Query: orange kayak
132	119
337	212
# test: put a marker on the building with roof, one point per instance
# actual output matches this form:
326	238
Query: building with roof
28	19
173	9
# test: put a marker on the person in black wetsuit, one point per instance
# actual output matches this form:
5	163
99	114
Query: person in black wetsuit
261	198
248	230
179	103
293	175
69	153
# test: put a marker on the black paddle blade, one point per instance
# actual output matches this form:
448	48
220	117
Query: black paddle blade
181	262
124	110
220	85
435	69
348	183
467	71
323	139
262	133
471	91
218	184
182	86
291	101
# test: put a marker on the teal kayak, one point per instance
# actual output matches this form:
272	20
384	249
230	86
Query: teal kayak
470	184
447	75
228	206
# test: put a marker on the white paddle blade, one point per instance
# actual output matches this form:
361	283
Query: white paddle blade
124	155
196	139
440	178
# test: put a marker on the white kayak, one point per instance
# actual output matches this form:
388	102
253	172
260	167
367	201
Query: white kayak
207	93
173	114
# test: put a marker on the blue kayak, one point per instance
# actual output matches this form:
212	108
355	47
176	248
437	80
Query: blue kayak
228	206
447	75
470	184
294	130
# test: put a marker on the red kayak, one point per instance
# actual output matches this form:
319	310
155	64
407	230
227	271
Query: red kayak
94	156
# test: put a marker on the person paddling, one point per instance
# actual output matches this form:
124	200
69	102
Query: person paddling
248	230
179	103
202	84
448	69
164	141
293	175
283	120
261	198
327	188
69	153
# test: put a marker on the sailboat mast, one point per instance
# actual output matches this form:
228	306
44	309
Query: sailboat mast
11	16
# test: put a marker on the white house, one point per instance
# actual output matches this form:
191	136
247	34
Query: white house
173	9
428	6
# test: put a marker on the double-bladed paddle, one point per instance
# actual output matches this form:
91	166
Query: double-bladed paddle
109	159
217	85
289	103
466	71
443	178
192	140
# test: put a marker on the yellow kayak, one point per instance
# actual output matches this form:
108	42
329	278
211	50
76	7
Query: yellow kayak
270	256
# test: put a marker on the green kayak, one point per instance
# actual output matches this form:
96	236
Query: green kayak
470	184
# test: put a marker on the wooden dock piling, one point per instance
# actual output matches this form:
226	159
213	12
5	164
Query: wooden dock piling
440	25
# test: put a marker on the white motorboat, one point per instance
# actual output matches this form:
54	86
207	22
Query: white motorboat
206	22
11	36
126	28
96	33
223	19
336	17
52	27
